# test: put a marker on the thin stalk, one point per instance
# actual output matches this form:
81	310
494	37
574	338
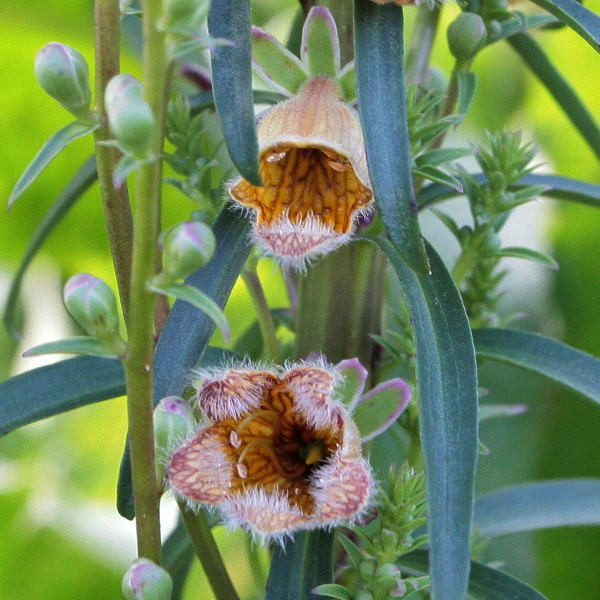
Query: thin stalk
117	211
208	553
263	314
138	363
423	37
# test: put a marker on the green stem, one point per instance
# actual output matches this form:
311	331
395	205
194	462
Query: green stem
263	314
117	210
208	553
423	37
138	363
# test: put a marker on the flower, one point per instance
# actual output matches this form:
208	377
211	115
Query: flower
314	169
280	454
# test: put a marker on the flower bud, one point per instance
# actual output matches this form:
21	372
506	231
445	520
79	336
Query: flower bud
187	247
466	36
130	117
93	305
173	422
146	581
63	73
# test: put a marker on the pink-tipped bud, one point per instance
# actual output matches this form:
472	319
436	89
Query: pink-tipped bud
173	422
146	581
93	305
187	247
130	117
63	73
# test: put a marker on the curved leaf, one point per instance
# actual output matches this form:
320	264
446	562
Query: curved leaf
232	83
81	181
301	566
320	48
534	352
561	188
187	332
538	505
54	146
448	395
467	86
485	583
75	345
535	58
379	39
57	388
528	254
577	17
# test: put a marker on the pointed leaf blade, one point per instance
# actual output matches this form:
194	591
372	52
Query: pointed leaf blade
528	254
76	345
379	39
54	146
467	86
320	49
232	83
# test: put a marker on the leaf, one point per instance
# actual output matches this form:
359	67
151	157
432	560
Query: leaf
352	384
528	254
561	188
544	69
577	17
522	23
538	505
448	396
355	554
232	84
379	408
81	181
534	352
281	69
200	300
74	345
493	411
333	590
178	555
303	564
485	583
379	40
126	166
347	79
435	174
187	331
57	388
320	48
439	156
467	86
56	144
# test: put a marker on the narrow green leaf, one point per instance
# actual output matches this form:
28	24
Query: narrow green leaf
577	17
539	505
528	254
304	564
485	583
275	64
522	23
355	554
573	368
439	156
200	300
81	181
320	49
74	345
54	146
448	396
178	555
57	388
435	174
561	188
333	590
467	86
126	166
493	411
232	84
544	69
347	79
353	379
187	332
379	40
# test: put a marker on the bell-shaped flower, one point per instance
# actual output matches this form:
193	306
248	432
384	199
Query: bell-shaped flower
280	454
313	165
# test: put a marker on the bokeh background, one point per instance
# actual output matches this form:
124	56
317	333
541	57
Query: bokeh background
61	536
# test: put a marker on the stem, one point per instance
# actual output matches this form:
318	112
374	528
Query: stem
117	211
263	314
424	32
208	553
138	364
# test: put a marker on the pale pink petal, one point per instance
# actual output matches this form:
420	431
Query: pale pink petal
200	469
341	489
234	394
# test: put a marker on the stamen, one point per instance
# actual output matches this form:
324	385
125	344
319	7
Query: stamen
267	414
242	470
276	156
338	167
269	450
234	439
315	452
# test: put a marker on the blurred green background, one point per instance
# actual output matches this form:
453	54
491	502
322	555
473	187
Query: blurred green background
62	538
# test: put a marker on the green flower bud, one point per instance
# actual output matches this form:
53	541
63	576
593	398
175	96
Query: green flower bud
130	117
466	36
173	422
187	247
146	581
63	73
93	305
367	568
